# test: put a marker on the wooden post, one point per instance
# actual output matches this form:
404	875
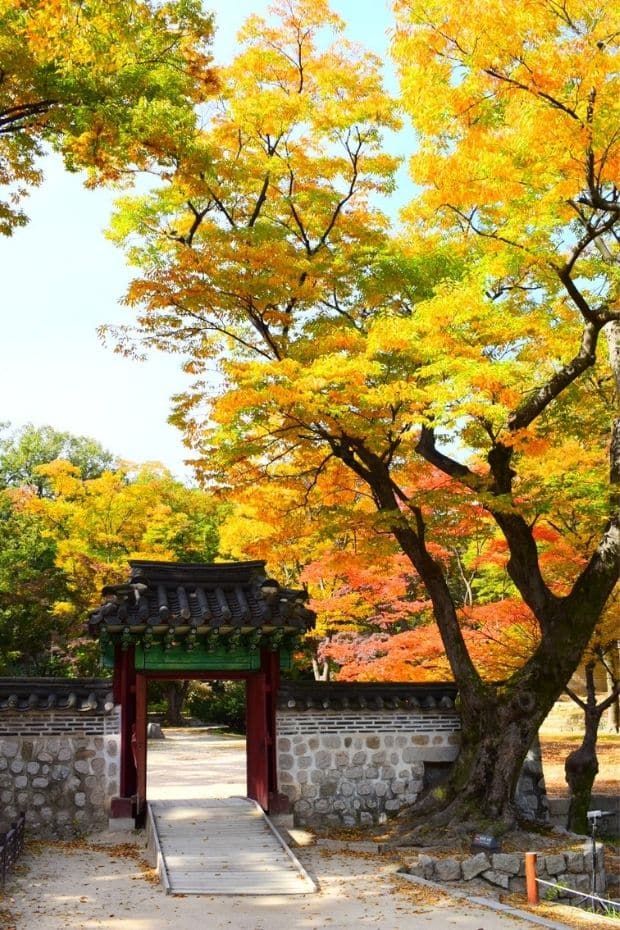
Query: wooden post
256	752
125	688
141	724
531	885
270	665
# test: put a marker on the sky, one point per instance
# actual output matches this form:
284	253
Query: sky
62	279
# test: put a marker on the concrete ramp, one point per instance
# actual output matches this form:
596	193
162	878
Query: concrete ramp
226	846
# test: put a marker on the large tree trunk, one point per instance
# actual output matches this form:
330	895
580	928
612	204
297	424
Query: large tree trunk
498	722
581	768
497	732
176	693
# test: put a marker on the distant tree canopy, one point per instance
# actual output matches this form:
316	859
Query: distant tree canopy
108	84
68	526
24	449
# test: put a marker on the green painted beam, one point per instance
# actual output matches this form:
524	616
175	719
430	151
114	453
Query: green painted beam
200	658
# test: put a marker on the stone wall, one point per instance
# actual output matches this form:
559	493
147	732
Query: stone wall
559	870
352	755
355	776
59	750
345	758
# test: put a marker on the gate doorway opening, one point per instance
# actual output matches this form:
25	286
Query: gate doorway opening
202	754
260	689
188	765
196	764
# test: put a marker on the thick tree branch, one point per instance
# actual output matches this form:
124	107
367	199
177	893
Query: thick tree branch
523	566
369	466
609	700
575	697
199	216
601	574
14	119
259	202
427	448
530	409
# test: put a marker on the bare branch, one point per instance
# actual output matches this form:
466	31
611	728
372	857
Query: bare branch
555	103
575	697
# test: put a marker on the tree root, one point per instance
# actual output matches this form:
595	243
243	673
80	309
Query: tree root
433	822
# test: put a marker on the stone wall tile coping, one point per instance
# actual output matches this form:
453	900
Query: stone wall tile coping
33	697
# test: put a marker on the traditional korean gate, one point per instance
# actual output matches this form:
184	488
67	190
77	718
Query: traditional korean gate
204	622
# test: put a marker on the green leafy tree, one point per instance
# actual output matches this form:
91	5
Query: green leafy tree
30	584
67	527
23	450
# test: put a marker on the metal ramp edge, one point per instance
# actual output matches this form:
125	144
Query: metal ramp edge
157	856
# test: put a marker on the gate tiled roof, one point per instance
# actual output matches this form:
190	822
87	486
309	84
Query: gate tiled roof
187	599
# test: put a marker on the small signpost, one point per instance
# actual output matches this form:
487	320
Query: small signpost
483	842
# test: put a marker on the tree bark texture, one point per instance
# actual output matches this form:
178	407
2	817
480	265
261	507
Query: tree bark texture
176	693
498	722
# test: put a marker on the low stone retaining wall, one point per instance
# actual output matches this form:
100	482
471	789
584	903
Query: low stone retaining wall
59	748
571	868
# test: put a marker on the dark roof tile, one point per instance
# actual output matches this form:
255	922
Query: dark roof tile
86	695
369	696
173	594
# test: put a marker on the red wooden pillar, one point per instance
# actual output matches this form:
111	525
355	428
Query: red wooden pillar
140	745
270	665
125	695
256	751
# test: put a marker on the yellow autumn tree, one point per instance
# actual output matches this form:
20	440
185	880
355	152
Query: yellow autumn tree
110	84
97	525
452	368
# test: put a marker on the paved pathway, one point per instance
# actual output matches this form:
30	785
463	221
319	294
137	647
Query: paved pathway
195	764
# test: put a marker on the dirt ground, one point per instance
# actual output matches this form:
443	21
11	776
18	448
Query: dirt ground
104	883
86	886
555	748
